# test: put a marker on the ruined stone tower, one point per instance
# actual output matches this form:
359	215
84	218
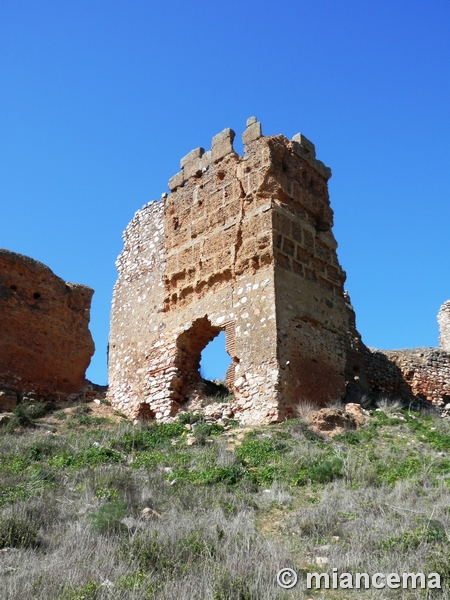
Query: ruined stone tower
241	245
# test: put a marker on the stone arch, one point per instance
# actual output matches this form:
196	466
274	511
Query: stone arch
190	345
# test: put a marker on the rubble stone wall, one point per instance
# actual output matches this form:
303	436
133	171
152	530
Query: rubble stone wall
241	245
421	373
45	342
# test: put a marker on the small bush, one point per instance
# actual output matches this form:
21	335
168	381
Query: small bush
189	418
89	591
82	409
170	555
151	437
231	588
258	452
107	519
202	431
25	415
322	472
18	532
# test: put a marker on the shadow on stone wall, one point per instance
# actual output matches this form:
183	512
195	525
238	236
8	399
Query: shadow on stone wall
418	376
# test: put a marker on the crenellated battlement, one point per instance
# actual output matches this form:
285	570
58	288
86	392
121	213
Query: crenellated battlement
198	161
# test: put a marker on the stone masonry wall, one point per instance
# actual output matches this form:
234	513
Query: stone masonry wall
444	326
422	373
45	342
241	245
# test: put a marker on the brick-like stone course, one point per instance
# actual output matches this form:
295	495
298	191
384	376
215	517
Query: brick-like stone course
241	245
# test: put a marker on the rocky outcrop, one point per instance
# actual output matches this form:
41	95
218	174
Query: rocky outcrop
45	342
332	421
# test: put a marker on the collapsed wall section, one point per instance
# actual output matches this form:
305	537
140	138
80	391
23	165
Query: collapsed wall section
45	342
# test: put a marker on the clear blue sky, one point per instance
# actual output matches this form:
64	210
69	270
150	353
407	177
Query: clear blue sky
99	100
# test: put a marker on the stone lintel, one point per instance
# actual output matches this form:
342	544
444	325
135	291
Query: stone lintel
222	144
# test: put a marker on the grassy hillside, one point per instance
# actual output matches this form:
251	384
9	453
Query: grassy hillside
93	508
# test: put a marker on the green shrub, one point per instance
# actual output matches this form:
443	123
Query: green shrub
18	532
166	555
256	452
87	421
25	415
89	457
189	418
151	437
131	581
202	431
150	553
107	519
348	437
393	471
228	587
213	475
12	493
82	409
89	591
322	472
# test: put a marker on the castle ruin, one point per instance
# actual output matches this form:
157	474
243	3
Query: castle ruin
244	245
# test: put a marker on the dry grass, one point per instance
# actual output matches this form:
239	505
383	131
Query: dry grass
224	517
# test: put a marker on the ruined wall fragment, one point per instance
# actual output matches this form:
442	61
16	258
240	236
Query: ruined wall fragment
241	245
45	342
419	373
444	326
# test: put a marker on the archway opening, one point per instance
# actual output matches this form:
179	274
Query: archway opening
215	360
201	360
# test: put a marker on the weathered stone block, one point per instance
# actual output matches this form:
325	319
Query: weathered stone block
222	144
305	144
176	181
193	168
191	156
252	133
